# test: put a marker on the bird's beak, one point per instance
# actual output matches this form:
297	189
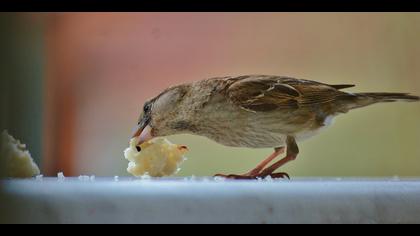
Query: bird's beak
143	133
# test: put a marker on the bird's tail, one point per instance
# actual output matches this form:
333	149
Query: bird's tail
365	99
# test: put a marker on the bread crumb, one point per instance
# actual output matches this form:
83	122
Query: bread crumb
219	179
84	178
61	176
15	160
157	158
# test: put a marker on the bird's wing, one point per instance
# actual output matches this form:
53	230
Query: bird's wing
267	93
342	86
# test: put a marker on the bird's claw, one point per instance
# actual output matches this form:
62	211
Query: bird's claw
279	175
236	176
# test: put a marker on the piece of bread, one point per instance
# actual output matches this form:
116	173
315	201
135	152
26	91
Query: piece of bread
15	160
157	158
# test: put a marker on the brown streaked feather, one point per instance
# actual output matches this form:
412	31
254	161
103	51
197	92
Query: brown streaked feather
342	86
268	93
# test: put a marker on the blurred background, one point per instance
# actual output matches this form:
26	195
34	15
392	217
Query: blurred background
72	84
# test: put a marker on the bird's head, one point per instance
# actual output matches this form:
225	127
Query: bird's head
159	113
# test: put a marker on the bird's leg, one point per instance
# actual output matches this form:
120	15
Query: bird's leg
254	173
260	172
292	152
264	163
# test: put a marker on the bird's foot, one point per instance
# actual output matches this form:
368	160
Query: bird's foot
280	175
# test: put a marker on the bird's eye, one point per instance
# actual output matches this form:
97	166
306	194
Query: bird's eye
146	108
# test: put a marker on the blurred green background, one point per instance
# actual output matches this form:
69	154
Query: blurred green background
21	79
77	82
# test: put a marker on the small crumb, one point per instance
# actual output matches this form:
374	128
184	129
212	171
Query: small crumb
39	177
396	178
219	179
116	178
61	176
84	178
145	177
338	179
192	178
92	178
268	179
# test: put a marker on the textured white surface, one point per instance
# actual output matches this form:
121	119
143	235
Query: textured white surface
198	200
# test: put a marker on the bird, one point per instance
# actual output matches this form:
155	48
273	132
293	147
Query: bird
253	111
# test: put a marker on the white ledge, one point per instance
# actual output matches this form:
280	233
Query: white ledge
206	201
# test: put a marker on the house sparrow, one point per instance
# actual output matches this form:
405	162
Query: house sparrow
253	111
